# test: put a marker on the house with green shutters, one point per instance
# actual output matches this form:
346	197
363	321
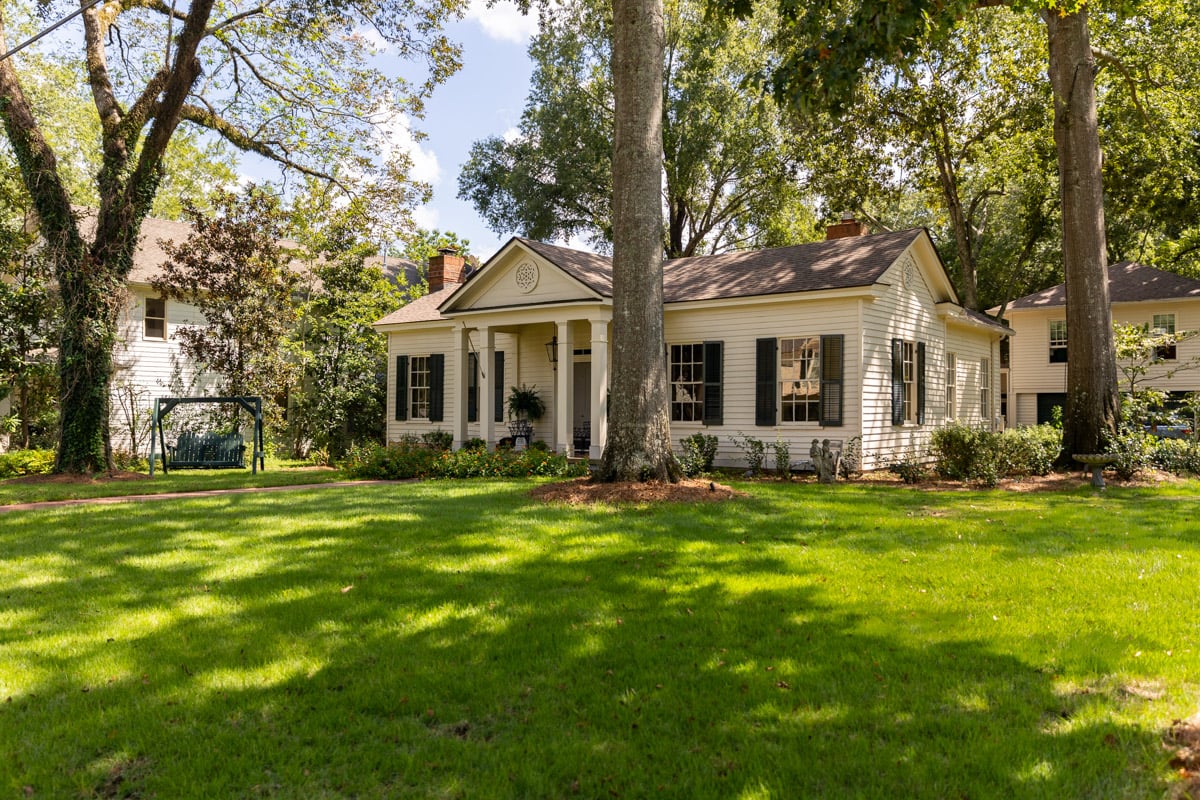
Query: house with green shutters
856	336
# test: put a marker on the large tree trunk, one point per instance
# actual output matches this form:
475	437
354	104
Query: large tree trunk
639	437
1092	402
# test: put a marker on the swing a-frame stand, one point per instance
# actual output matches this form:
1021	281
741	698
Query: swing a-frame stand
207	450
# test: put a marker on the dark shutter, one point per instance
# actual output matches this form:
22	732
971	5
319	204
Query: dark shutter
437	386
832	370
472	387
401	387
498	385
920	383
714	368
897	381
765	388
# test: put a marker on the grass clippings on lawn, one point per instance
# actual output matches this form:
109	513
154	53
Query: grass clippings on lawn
581	491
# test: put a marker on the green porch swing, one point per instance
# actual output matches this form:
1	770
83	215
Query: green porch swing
207	450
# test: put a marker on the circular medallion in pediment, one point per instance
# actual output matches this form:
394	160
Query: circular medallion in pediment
525	276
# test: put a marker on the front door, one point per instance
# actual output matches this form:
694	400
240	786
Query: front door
582	414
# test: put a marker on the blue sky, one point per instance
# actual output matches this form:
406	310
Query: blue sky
484	98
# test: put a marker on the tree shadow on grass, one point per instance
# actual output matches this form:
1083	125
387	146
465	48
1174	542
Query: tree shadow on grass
347	646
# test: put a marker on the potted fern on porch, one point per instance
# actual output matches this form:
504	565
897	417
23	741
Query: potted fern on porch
525	407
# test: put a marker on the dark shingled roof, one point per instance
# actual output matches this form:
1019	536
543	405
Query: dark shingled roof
1128	282
592	270
835	264
423	309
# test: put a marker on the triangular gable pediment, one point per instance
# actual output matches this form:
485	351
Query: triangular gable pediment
921	265
518	277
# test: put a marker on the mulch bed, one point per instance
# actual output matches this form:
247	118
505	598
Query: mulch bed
1184	739
582	491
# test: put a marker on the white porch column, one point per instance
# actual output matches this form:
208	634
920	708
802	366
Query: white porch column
564	390
599	421
462	346
487	383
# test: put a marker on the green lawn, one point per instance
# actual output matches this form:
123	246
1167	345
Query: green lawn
189	480
457	639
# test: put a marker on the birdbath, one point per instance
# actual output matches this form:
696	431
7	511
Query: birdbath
1097	462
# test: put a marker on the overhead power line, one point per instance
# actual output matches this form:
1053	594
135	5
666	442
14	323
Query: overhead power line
51	29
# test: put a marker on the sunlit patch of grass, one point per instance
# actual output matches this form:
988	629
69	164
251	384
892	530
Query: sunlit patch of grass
458	639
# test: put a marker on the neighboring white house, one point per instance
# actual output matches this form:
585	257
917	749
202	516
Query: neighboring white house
1036	377
856	336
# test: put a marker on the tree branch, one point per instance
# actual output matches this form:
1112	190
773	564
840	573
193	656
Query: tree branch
1101	54
98	76
207	118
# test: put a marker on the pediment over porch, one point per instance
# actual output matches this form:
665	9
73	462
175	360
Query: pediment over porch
526	274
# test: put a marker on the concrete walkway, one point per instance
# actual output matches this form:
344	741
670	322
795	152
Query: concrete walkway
139	498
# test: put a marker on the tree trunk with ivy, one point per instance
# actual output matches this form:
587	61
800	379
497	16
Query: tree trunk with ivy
91	278
639	433
1091	413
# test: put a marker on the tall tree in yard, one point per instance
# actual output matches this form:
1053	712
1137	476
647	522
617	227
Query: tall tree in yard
287	80
639	438
824	48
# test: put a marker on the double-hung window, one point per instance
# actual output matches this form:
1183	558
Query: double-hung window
1058	341
951	386
155	319
1164	325
687	382
985	389
418	387
800	379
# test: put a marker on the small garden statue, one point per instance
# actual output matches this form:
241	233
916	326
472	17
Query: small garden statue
825	461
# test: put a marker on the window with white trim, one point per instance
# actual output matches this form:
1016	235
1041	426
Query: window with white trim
418	387
1058	341
985	389
800	379
909	360
1164	325
687	382
951	386
154	324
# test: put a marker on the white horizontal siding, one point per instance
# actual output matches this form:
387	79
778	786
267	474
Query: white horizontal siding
903	312
1032	372
739	329
152	368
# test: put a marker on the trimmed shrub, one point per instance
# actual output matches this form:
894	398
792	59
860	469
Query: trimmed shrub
1030	450
475	444
26	462
963	453
697	453
403	460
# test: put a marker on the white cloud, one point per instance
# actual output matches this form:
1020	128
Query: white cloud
426	217
397	136
503	21
511	135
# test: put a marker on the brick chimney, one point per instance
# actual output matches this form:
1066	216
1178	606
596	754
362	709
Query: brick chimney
849	226
446	268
